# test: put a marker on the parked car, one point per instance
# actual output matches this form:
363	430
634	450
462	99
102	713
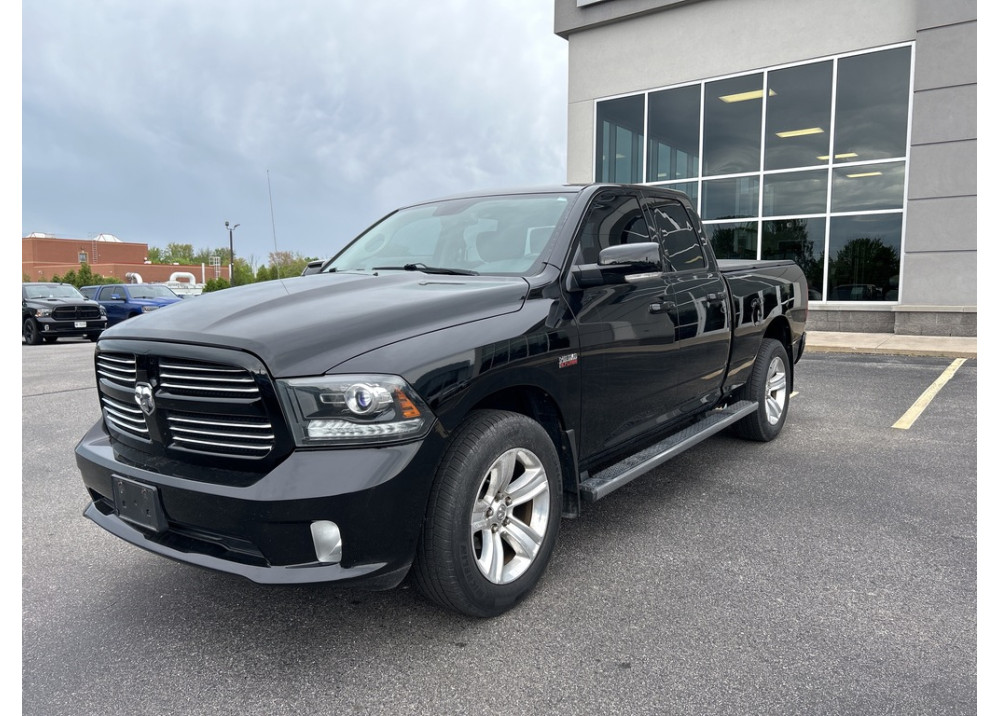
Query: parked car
50	311
127	300
453	382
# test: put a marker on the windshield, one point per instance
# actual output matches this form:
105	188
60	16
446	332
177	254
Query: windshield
493	235
151	292
52	291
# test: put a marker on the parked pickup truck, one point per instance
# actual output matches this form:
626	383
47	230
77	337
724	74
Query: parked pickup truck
50	311
460	377
128	300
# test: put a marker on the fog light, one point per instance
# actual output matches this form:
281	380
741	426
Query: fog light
326	541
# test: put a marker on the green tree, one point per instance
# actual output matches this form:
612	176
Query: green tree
266	273
180	253
242	272
204	256
287	264
84	277
215	284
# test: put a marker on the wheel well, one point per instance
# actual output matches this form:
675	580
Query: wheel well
538	405
780	331
532	402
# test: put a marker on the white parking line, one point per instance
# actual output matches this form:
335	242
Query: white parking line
911	415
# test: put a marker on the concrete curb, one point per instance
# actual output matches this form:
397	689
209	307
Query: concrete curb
891	344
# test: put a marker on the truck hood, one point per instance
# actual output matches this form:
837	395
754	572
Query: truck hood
307	325
57	302
156	301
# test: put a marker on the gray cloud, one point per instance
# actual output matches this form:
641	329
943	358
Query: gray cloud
158	121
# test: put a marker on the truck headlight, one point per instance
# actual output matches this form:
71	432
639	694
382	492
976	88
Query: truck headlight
333	410
43	312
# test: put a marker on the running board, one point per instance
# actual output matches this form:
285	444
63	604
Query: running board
621	473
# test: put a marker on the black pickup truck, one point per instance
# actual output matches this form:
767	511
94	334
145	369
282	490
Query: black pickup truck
50	311
460	377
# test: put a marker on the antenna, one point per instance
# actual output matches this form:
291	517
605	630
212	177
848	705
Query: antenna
271	203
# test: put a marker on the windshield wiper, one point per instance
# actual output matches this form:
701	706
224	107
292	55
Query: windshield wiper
428	269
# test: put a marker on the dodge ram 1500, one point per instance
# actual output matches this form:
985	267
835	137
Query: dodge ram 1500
449	386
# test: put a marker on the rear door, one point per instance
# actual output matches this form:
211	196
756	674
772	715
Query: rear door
698	303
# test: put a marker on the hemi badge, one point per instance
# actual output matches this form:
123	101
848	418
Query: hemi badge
567	361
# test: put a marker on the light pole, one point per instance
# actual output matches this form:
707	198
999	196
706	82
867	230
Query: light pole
232	228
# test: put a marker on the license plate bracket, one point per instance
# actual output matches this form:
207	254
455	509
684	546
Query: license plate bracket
139	504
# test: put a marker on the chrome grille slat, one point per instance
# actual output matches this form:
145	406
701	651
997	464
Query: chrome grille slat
263	450
209	388
218	424
265	440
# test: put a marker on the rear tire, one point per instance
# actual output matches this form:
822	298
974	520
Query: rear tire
769	387
493	515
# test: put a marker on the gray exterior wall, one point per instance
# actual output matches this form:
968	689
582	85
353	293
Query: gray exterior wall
622	46
939	258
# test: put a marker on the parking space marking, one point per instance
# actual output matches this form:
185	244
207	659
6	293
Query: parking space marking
911	415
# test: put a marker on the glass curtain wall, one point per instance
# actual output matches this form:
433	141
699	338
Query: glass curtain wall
805	162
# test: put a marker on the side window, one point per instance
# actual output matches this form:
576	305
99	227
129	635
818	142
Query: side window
612	219
678	239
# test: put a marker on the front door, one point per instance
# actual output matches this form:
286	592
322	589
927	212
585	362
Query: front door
625	332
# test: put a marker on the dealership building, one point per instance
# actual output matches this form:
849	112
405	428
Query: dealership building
838	134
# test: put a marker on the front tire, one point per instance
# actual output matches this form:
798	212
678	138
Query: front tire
32	336
493	515
769	385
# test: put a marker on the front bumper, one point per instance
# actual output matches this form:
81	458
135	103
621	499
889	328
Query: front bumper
377	497
67	329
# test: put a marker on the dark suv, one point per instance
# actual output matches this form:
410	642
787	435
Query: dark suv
58	310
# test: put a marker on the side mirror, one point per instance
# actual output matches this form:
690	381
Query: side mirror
642	257
616	264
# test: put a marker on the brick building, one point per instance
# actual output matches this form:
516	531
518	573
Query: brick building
43	257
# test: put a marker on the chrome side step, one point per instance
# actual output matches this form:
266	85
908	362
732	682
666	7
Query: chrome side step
608	480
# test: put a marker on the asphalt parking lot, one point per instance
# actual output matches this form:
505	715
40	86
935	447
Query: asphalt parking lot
832	571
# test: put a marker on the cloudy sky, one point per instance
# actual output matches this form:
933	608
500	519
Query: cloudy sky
301	120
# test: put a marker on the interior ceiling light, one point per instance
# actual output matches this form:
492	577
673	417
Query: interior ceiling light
864	174
845	155
744	96
800	132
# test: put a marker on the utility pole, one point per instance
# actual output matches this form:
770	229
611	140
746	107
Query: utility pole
232	279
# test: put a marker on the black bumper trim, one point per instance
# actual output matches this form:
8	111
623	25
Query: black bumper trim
364	574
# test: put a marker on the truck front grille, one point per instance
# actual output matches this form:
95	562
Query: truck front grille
76	313
191	404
